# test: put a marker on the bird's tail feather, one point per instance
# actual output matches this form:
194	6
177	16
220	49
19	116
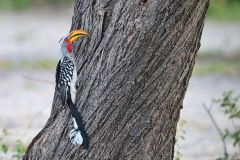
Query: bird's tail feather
77	134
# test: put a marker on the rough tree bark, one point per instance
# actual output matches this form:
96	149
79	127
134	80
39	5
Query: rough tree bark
139	59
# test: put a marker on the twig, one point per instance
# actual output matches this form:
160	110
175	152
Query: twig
43	65
38	80
217	128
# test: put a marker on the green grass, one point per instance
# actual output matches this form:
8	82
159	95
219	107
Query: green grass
224	10
40	64
24	4
19	149
217	63
218	67
14	4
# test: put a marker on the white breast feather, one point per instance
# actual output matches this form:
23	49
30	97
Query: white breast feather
72	85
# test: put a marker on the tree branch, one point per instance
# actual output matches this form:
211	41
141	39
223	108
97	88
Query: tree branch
214	122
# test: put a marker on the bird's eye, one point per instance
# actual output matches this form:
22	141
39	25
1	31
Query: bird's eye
66	39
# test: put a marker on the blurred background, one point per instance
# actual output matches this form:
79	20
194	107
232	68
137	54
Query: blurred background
30	31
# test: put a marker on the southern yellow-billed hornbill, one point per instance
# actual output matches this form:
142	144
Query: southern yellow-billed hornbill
66	77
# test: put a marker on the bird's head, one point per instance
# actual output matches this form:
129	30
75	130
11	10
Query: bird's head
66	42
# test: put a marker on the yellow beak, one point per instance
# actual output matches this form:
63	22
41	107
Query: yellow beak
74	35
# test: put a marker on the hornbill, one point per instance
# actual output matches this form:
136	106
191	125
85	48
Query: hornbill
66	77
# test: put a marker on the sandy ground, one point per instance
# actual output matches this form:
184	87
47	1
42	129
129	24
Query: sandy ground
33	34
26	104
201	139
223	37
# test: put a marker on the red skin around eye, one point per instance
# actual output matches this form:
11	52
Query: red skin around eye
69	47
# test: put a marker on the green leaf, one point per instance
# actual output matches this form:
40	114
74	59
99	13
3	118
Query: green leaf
4	148
20	147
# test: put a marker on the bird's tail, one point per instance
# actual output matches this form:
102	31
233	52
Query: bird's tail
77	134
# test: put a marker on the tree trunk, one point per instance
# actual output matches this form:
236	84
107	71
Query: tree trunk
136	65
